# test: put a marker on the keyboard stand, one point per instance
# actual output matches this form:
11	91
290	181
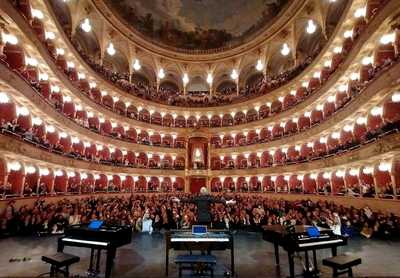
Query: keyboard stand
203	244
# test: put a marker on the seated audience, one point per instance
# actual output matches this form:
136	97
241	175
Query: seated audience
158	212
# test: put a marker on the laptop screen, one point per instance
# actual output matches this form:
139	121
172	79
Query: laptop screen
199	229
313	232
95	224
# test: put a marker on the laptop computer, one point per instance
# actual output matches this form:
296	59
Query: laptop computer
199	230
313	231
95	224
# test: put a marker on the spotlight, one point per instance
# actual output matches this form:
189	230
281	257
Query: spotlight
337	49
348	34
209	78
60	51
161	73
377	111
136	65
110	49
4	98
259	65
11	39
311	27
50	35
360	12
31	61
185	78
367	61
37	13
328	64
361	120
388	38
86	25
234	74
285	50
23	111
396	97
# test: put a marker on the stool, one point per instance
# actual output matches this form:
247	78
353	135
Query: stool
192	262
342	264
59	260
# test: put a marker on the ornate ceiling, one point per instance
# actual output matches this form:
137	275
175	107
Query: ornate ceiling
279	22
197	24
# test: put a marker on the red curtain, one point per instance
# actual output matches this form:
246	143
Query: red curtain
196	184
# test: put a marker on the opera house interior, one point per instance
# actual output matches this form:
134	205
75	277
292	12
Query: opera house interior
199	138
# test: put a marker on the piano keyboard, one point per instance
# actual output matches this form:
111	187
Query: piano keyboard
89	242
317	243
308	238
201	239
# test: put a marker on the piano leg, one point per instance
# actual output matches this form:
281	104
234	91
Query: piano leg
90	270
291	264
109	262
60	246
307	263
113	253
98	261
232	259
315	261
334	251
166	260
276	247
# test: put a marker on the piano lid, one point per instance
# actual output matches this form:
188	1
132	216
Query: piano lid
299	229
103	228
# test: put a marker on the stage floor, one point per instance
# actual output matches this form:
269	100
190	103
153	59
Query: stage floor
145	257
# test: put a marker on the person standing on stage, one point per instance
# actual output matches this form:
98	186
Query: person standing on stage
203	203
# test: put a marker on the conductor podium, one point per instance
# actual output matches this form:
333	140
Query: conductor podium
209	241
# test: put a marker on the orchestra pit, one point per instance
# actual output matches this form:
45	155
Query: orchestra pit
200	138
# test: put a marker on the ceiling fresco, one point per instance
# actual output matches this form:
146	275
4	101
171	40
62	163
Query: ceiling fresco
197	24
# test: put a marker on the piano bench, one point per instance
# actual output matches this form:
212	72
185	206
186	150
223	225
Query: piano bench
199	263
59	260
342	264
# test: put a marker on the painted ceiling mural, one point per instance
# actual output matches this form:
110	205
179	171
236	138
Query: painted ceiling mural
197	24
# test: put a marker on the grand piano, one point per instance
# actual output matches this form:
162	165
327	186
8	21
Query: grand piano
298	239
185	240
108	238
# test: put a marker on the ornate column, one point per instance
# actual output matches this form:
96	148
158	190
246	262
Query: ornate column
187	181
392	177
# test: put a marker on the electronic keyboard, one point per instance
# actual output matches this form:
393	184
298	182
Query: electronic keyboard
297	239
208	242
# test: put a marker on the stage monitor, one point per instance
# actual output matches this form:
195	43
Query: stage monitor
95	224
199	229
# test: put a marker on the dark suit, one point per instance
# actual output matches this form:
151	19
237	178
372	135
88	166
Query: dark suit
203	203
